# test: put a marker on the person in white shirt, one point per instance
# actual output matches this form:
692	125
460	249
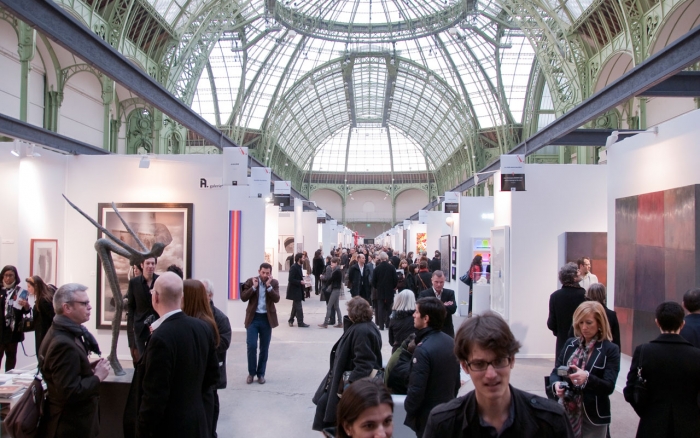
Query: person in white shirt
584	268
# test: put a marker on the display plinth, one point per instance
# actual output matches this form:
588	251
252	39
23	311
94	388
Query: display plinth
114	391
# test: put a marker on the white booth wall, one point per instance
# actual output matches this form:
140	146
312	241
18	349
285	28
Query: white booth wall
470	224
559	199
309	227
436	227
647	163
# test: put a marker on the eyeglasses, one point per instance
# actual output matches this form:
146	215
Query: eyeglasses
84	303
482	365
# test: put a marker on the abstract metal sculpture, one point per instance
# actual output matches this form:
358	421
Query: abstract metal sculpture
105	247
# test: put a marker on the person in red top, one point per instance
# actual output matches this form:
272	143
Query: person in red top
475	275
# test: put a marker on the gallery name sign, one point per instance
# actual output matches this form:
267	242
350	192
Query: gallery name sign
211	183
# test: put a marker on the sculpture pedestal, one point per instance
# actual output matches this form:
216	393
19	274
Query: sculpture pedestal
114	391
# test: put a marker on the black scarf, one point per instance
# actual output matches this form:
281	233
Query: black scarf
79	331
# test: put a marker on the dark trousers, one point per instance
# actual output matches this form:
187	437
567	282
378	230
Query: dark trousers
297	311
383	312
10	352
216	413
260	327
317	286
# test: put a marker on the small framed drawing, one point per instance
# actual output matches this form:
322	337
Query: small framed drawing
454	272
454	257
43	260
454	242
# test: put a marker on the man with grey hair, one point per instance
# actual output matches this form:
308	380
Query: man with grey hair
385	279
73	382
224	326
178	364
563	304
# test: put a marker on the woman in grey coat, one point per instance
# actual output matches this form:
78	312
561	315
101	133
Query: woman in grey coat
336	283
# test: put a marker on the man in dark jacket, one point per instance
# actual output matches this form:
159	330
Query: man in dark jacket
434	375
223	325
295	291
447	296
358	278
435	263
691	329
486	350
563	304
139	307
384	280
73	385
179	365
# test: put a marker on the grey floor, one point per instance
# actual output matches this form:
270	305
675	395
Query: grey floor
299	359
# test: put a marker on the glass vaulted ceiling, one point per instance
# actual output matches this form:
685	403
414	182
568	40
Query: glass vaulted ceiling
310	74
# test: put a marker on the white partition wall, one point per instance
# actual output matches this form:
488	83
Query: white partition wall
649	163
309	228
272	217
436	227
285	239
475	220
559	198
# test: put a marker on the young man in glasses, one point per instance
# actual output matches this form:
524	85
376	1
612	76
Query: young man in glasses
486	350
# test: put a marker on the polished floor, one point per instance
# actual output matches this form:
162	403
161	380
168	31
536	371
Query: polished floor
299	359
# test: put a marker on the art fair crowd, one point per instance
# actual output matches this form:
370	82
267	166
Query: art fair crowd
178	340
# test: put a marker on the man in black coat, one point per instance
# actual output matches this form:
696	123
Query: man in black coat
139	307
384	280
447	296
223	325
71	408
435	263
669	364
295	291
179	365
434	375
563	304
358	277
691	329
486	350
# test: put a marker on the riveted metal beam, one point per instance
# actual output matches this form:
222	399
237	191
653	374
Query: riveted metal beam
666	63
683	84
15	128
591	137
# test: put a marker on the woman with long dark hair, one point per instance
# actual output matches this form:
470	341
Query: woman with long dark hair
366	410
43	308
474	274
11	316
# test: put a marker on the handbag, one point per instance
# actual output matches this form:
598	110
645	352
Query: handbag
640	392
25	416
28	322
466	279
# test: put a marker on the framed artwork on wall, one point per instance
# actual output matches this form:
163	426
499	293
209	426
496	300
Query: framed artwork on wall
43	260
454	242
152	222
454	272
445	255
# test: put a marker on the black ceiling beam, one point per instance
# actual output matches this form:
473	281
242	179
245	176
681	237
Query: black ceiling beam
682	84
591	137
15	128
671	60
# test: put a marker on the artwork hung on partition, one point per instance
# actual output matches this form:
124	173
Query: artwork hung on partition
285	249
234	254
270	256
44	260
421	242
170	224
500	271
445	256
592	245
656	257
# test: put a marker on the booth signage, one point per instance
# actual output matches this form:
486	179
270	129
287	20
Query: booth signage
260	182
282	193
210	183
236	166
422	216
320	216
452	202
512	173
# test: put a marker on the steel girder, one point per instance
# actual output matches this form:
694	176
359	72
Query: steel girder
683	84
656	69
15	128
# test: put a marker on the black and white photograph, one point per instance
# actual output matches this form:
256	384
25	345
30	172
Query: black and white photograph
44	259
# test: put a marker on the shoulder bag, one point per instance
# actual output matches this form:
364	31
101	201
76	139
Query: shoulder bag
28	322
640	392
25	416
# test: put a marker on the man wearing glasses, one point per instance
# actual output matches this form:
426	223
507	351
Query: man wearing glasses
486	350
73	382
434	374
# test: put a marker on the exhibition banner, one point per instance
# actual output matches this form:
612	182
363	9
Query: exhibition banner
513	173
234	254
260	178
451	202
235	166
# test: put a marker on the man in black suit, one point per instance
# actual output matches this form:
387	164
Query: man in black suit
295	291
563	304
384	279
447	296
435	263
139	307
358	277
691	329
179	364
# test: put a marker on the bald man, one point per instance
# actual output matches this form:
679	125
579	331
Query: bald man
178	364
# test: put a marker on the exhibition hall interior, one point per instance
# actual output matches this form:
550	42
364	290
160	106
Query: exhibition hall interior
531	133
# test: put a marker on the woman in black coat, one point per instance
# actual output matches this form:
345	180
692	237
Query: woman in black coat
401	319
317	269
593	363
669	364
563	303
10	315
359	350
43	312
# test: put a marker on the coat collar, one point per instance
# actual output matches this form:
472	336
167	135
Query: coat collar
670	338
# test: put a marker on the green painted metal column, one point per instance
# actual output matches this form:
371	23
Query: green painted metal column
26	49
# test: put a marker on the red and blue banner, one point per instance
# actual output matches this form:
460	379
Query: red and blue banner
234	254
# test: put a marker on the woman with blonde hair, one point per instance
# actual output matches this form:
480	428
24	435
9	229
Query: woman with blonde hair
590	363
